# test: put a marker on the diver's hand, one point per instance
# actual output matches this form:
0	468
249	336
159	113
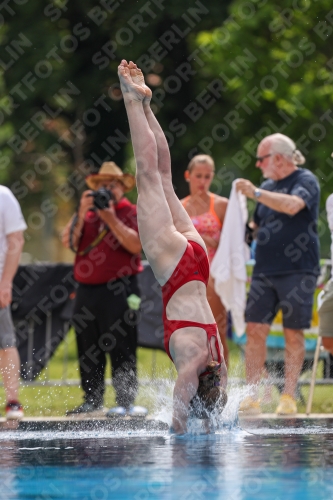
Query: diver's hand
173	432
178	426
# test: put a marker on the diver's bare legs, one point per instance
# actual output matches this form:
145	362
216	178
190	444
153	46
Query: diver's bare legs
153	215
162	243
180	217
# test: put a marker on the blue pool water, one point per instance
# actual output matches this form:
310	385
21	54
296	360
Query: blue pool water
281	460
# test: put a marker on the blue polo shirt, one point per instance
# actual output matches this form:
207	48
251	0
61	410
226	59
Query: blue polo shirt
289	244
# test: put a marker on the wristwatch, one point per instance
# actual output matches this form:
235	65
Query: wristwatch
257	193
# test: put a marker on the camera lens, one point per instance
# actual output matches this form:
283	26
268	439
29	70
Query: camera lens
101	198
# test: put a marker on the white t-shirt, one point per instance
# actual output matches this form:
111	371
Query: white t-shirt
11	220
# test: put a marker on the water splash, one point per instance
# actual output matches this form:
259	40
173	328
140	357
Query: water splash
161	394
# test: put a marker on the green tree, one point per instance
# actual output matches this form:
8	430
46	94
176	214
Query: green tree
60	60
272	64
60	106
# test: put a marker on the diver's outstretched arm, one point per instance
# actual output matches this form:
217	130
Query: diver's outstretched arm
186	387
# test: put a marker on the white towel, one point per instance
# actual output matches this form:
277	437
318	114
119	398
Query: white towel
228	266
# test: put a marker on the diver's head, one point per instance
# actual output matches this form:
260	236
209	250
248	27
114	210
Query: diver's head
210	395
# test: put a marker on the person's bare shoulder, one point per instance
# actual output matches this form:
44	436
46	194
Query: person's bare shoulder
220	200
220	206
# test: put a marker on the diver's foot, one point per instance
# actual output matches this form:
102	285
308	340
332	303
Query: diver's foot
138	78
132	92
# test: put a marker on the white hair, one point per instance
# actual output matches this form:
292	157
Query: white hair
285	146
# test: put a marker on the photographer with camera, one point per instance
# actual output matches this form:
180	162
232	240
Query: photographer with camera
104	236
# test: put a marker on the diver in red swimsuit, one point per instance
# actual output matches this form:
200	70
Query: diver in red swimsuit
178	257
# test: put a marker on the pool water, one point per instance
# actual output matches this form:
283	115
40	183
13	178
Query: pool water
261	459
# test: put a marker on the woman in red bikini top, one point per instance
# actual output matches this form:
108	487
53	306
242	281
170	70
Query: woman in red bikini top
207	211
178	257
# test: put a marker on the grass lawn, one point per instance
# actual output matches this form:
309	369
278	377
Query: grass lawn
152	366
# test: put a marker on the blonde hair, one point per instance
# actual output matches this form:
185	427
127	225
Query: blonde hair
285	146
201	159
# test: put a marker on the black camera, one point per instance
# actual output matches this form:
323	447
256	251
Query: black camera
101	198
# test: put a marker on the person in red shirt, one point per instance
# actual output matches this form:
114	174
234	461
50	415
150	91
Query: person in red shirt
107	262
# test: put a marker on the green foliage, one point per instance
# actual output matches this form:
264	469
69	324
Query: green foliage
219	85
61	110
77	46
273	61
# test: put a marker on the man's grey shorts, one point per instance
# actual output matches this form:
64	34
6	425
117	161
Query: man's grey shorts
292	293
325	312
7	332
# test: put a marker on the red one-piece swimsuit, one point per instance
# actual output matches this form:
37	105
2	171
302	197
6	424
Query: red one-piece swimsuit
193	266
